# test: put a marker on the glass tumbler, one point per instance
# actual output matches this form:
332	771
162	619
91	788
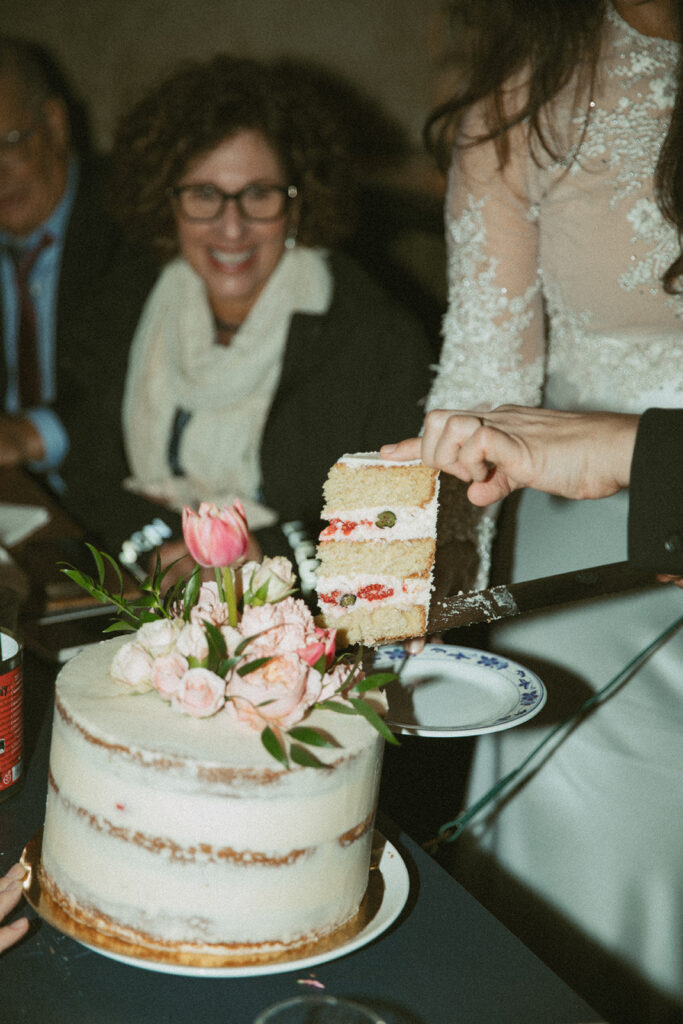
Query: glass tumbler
317	1010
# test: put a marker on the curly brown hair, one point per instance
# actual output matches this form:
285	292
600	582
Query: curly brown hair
491	41
204	103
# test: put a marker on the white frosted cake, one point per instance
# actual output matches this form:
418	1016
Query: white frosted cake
377	554
184	834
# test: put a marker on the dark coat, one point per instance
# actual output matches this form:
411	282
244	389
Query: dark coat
352	379
655	524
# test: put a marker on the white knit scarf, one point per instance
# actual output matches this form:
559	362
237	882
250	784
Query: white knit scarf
176	364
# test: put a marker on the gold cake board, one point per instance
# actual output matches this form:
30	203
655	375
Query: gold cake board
55	915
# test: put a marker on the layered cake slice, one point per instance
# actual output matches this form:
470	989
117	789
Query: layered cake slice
377	554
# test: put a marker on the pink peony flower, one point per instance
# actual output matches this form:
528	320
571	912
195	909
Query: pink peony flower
285	626
158	637
282	690
208	607
216	537
132	667
244	712
167	672
192	642
201	693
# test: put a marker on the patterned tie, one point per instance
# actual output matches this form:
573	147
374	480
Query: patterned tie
30	384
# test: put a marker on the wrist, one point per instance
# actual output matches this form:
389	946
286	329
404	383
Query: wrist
628	428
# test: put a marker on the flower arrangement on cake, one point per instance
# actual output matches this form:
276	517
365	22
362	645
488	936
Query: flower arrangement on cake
241	645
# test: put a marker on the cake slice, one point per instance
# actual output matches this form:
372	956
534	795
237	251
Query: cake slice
377	554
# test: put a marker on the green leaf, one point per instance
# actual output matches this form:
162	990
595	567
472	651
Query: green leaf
259	597
273	746
78	577
99	562
216	640
333	705
116	568
305	758
374	682
252	666
120	627
191	592
375	720
305	734
242	646
321	664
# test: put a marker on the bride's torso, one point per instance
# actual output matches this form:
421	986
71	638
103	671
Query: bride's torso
615	337
557	297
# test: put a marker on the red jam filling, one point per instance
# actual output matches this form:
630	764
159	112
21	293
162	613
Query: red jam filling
342	526
375	592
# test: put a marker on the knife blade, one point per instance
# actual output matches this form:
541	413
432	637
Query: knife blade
512	599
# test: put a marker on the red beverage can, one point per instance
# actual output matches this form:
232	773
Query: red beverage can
11	715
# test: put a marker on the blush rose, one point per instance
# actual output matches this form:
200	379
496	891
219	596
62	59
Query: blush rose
201	693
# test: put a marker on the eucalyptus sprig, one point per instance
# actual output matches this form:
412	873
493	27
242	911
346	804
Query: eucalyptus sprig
149	605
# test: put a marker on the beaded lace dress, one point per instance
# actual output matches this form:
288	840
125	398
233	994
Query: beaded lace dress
555	299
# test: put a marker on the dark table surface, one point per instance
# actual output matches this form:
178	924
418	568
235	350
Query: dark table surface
446	960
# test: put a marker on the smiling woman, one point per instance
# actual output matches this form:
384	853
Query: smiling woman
239	175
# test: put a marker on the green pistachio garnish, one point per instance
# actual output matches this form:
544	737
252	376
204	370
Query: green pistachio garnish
385	519
346	600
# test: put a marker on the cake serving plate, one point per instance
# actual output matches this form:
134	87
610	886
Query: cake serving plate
447	690
385	897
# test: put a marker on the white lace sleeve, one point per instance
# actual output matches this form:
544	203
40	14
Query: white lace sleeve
493	335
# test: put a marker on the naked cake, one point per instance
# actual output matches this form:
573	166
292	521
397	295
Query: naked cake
184	834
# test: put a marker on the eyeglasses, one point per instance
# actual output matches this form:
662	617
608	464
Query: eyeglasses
14	145
204	202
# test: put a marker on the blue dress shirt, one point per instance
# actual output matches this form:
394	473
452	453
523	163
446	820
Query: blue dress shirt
44	285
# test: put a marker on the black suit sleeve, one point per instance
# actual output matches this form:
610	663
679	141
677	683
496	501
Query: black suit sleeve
655	528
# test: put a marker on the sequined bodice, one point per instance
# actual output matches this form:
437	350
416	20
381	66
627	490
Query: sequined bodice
555	266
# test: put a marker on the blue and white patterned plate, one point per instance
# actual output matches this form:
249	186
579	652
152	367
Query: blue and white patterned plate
457	691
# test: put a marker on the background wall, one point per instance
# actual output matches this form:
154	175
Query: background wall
113	49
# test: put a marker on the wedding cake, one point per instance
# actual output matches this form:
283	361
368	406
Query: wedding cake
181	833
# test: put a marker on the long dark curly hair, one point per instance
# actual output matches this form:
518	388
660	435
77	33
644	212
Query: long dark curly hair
490	42
204	103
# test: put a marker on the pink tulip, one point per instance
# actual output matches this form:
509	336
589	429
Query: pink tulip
216	537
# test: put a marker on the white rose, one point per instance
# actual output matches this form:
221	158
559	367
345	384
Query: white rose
132	667
275	573
192	642
158	637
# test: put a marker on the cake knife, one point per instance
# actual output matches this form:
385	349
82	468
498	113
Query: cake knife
507	600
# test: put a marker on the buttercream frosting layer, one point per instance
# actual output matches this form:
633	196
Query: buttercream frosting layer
186	831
